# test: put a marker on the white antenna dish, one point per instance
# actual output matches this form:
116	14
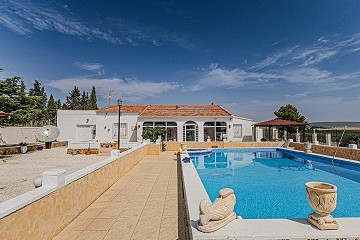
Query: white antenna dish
48	133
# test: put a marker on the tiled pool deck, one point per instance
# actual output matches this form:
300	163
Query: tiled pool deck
143	204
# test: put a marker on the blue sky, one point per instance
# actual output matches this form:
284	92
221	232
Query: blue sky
249	56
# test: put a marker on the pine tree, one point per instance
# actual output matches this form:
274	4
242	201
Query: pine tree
38	96
36	89
93	101
58	104
51	103
84	100
73	100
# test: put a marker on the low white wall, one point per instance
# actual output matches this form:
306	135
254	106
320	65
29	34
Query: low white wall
15	135
83	144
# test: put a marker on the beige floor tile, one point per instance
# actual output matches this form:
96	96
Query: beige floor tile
79	224
119	234
169	222
67	235
145	233
168	234
101	224
92	235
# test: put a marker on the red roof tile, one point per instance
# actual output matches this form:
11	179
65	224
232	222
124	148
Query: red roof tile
212	110
279	122
124	108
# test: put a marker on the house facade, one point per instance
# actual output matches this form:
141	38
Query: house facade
183	123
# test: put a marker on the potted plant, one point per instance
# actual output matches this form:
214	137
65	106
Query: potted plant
23	147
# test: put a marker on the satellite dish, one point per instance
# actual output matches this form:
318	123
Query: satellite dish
48	134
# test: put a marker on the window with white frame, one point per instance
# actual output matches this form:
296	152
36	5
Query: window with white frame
237	129
123	130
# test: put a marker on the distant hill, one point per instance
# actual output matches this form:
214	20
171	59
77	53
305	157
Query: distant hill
334	124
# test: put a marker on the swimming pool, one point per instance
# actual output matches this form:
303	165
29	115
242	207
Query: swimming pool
269	183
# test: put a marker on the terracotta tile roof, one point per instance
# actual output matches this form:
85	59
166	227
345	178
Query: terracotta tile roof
124	108
212	110
278	122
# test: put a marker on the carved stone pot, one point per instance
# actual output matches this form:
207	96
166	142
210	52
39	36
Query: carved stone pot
183	148
322	198
307	147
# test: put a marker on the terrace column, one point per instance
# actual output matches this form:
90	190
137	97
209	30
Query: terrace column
314	138
328	139
297	136
285	134
257	137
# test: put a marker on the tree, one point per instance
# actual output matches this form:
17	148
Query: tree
37	96
73	100
51	103
58	104
153	133
289	112
84	100
93	101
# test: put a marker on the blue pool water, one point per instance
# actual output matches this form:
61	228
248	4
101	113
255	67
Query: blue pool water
269	183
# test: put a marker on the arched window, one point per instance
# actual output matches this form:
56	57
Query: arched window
190	132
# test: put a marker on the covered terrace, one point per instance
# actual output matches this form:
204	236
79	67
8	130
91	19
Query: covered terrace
276	124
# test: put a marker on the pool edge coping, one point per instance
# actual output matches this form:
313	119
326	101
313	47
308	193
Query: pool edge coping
255	228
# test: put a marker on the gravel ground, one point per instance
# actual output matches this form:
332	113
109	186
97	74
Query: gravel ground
17	172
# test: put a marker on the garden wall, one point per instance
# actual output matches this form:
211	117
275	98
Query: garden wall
175	146
47	216
342	152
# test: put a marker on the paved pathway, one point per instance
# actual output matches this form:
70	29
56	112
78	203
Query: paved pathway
143	204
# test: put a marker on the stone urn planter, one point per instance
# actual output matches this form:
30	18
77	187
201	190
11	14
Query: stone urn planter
183	148
23	147
322	198
307	147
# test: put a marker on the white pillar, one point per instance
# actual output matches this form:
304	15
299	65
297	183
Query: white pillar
285	134
328	139
115	154
314	138
297	137
54	178
258	139
353	146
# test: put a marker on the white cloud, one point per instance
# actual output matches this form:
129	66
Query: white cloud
130	89
273	59
93	67
216	76
25	17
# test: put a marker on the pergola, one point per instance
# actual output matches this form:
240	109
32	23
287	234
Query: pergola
279	123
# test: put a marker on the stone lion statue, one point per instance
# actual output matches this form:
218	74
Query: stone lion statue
216	215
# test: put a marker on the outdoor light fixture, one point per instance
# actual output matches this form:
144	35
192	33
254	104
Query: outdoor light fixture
119	103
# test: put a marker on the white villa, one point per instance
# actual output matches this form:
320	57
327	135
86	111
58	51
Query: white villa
184	123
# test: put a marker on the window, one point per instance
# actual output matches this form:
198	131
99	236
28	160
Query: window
237	130
123	131
171	129
214	131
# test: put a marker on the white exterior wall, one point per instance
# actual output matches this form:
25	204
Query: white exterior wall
180	123
67	121
246	135
106	121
